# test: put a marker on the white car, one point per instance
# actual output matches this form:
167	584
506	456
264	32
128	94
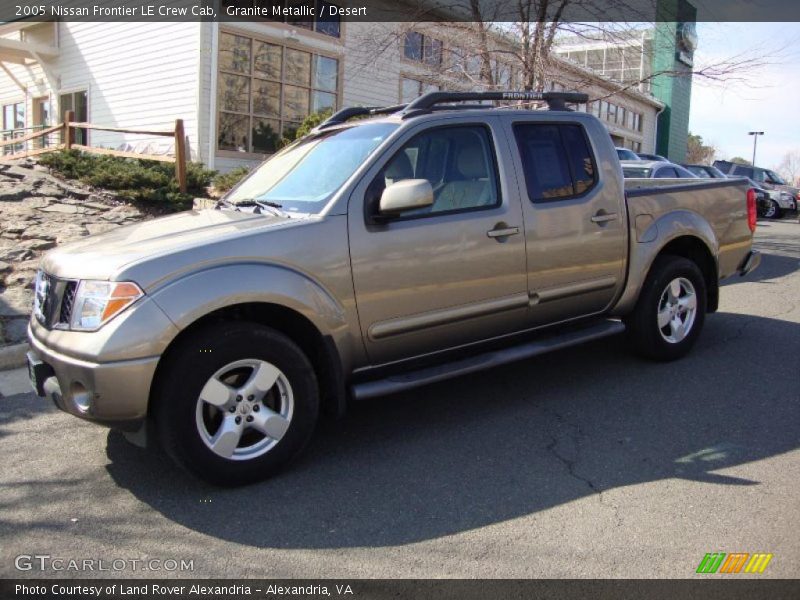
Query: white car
648	169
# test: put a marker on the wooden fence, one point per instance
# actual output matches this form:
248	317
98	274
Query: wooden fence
69	126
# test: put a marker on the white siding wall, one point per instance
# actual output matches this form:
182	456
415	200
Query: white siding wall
137	75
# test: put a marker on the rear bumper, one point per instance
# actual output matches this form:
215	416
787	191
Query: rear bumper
114	394
750	262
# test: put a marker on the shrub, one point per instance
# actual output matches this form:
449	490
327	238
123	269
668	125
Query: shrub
136	180
223	182
311	121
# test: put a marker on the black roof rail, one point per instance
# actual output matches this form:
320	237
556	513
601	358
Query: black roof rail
554	100
348	113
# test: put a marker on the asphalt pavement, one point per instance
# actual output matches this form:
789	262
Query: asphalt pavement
588	462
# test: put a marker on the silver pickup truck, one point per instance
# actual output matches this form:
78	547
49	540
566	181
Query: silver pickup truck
410	245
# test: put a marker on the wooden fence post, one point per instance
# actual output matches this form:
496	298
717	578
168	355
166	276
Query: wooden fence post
180	155
69	132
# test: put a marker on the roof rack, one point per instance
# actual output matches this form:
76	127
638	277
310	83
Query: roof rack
428	102
554	100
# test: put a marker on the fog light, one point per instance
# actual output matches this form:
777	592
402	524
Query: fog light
81	397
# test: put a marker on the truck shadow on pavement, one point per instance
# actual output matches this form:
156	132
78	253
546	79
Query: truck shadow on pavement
495	446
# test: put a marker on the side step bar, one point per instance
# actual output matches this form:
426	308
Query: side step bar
494	358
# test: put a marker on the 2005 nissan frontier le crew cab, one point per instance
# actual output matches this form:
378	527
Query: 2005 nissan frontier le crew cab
417	243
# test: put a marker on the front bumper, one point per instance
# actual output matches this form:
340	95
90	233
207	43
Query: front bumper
750	263
114	394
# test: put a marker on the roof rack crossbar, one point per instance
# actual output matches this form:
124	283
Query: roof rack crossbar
554	100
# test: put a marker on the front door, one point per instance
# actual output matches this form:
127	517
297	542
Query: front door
575	217
449	274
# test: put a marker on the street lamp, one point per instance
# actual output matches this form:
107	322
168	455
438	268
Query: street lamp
755	135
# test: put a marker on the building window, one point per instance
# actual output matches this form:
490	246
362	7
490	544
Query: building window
14	116
322	21
611	116
13	125
411	89
266	90
422	48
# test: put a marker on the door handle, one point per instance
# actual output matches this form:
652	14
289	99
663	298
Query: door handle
604	217
501	231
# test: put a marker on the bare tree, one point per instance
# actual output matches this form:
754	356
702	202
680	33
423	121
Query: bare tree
789	167
482	52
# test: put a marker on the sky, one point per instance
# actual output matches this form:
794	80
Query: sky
723	113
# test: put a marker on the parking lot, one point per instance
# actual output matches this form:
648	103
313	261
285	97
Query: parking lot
587	462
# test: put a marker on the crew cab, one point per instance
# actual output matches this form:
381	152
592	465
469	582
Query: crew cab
414	244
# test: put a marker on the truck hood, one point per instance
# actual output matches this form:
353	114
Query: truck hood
103	256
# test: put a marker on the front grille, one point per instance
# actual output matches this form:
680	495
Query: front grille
67	301
54	300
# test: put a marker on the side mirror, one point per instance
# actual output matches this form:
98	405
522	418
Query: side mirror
404	195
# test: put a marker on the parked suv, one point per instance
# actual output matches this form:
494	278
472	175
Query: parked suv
787	197
370	257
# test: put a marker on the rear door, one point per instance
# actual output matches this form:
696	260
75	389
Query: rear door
450	274
575	217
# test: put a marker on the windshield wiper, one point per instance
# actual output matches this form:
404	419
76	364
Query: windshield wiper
261	205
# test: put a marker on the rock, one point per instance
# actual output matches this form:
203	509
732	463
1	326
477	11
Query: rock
95	228
16	330
15	254
44	232
15	227
16	302
96	205
13	192
4	267
38	244
67	209
78	193
48	189
16	172
21	278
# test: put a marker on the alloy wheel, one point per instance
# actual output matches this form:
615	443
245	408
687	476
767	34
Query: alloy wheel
677	309
244	409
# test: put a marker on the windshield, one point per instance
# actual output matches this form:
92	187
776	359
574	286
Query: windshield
624	154
699	171
775	178
636	172
304	176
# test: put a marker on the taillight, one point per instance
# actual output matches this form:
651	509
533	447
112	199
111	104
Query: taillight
751	209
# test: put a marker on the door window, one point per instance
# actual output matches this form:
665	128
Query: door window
459	164
556	160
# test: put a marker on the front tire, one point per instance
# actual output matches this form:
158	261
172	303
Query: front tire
235	402
773	211
671	310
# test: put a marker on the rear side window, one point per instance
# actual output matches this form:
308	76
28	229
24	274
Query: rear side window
556	160
743	171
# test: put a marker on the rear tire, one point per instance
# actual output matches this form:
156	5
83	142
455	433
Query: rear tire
235	402
671	309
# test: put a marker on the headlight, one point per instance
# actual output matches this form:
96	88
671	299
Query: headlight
97	302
